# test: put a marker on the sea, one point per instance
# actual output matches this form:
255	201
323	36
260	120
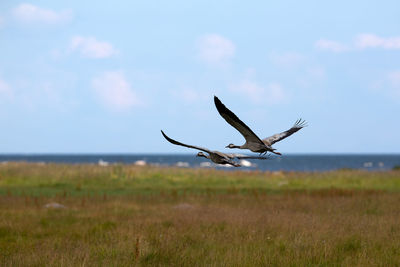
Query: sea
291	162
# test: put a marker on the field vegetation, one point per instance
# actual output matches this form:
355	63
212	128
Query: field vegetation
124	215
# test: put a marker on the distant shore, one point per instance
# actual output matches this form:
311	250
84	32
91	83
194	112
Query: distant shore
312	162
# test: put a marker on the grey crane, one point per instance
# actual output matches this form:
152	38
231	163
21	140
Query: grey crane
214	156
253	142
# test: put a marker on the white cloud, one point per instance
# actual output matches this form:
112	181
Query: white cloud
29	13
364	41
114	91
5	89
215	49
361	42
273	93
92	48
329	45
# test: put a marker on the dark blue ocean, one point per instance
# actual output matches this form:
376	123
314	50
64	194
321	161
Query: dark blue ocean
286	162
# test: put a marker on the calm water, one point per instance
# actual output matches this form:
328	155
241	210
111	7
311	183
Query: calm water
286	162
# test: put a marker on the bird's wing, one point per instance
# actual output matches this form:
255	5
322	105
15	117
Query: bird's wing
241	156
235	122
279	136
222	155
181	144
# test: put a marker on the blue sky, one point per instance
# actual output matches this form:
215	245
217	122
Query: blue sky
106	76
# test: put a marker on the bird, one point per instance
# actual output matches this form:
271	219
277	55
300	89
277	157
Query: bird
253	142
214	156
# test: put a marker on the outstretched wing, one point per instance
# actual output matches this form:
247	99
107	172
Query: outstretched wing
278	137
181	144
235	122
241	156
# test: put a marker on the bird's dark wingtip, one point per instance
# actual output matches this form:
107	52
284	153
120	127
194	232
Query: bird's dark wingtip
218	103
300	123
162	132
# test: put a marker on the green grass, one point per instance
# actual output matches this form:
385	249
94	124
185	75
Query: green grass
53	179
125	215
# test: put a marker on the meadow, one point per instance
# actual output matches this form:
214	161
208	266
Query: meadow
125	215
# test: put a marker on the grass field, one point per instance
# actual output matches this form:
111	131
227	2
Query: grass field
124	215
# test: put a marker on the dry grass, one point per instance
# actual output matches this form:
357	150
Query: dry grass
243	219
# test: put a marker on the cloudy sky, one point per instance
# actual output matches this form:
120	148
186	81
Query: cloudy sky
106	76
